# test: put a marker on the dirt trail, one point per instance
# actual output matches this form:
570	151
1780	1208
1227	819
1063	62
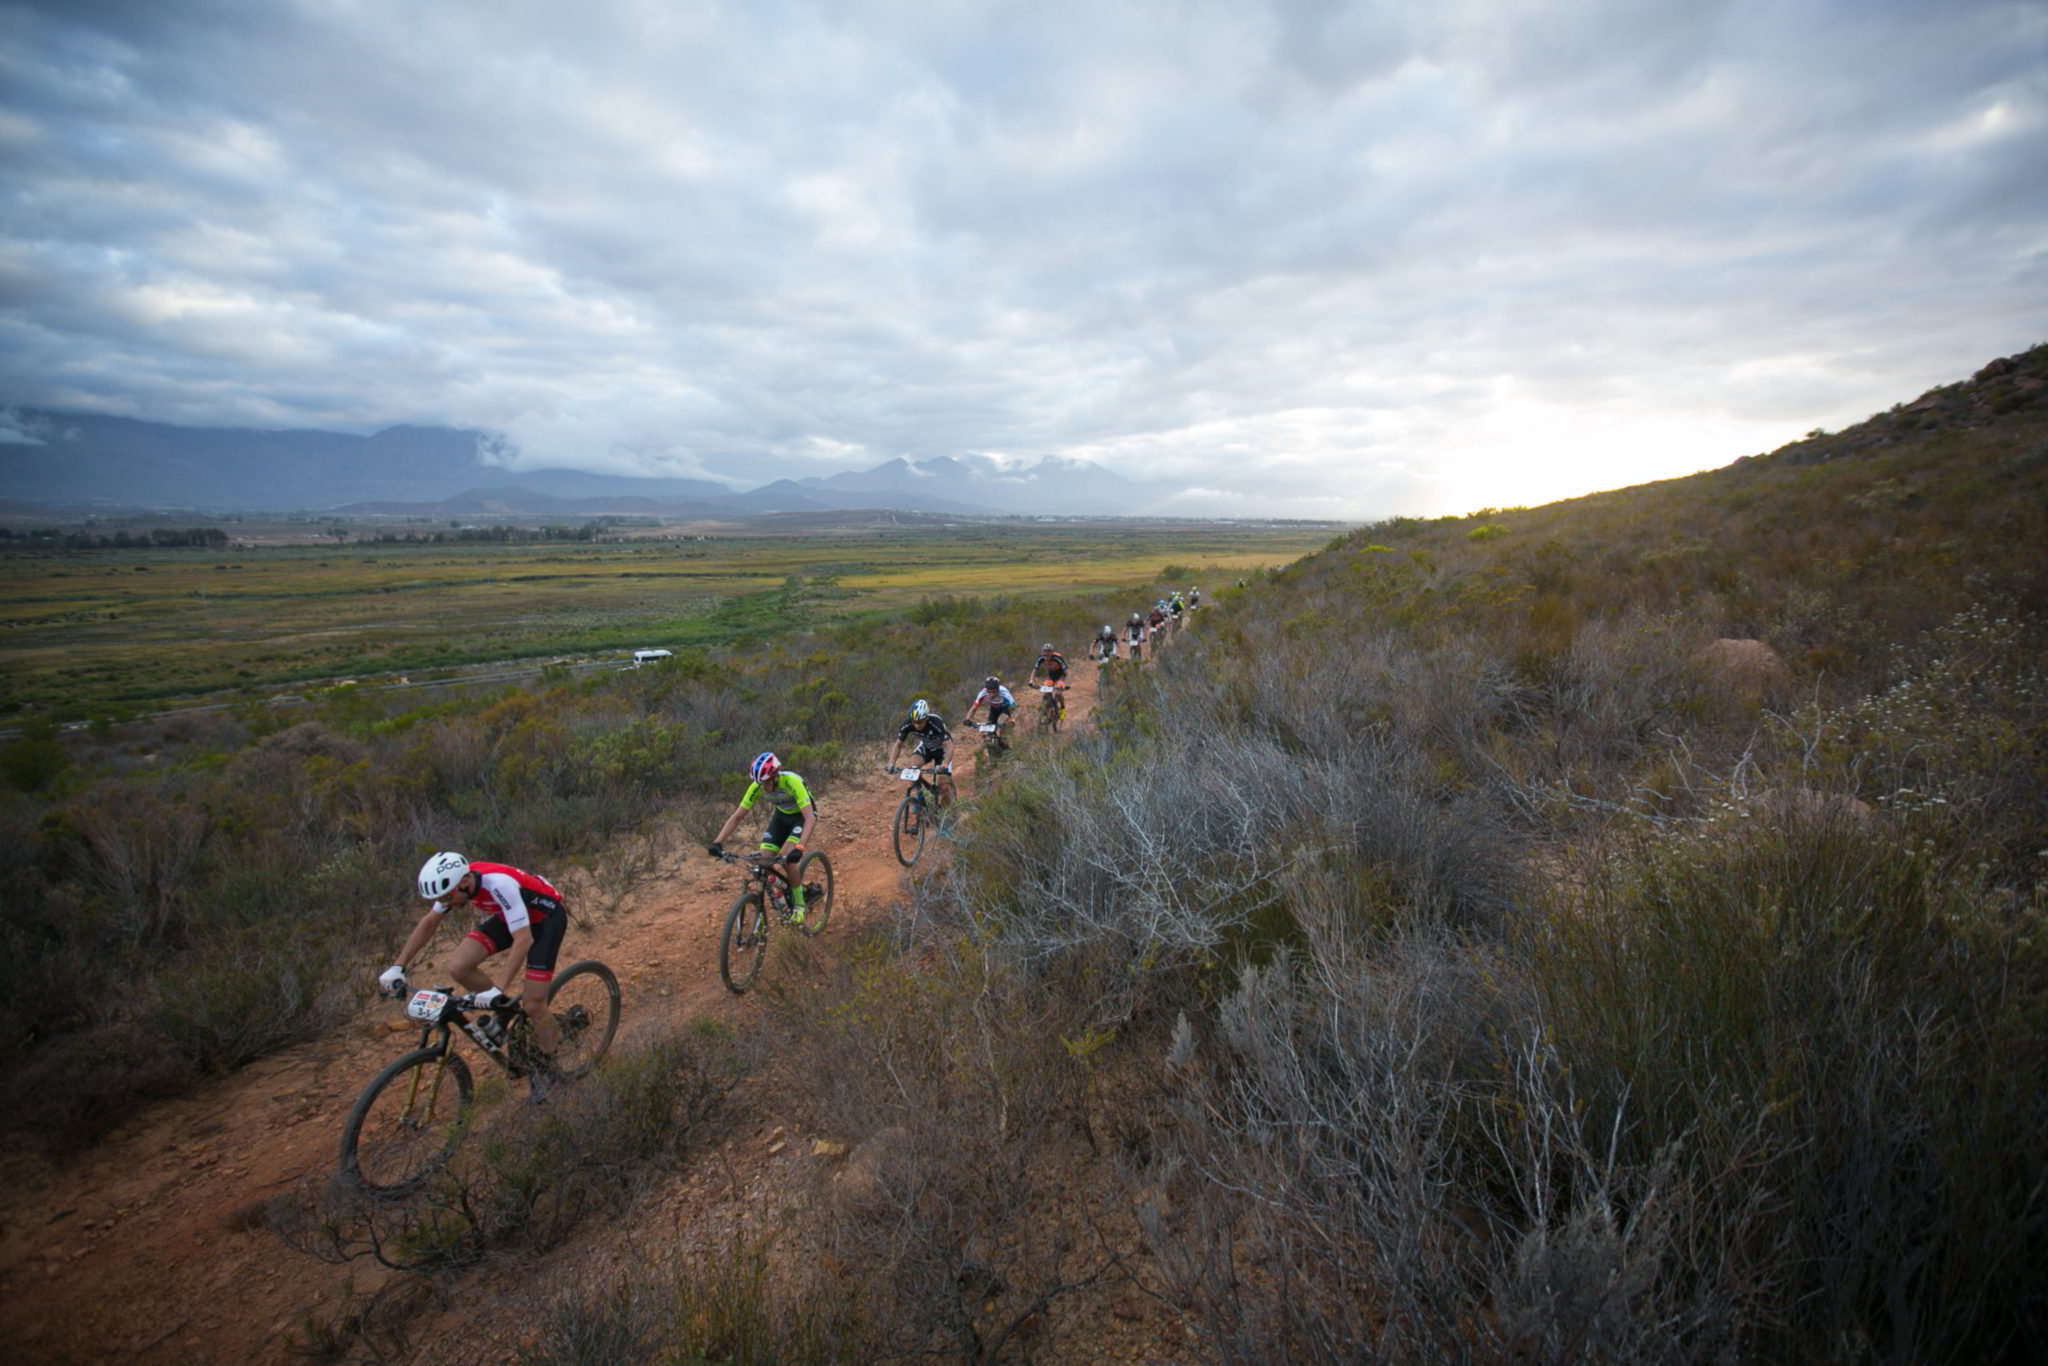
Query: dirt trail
151	1247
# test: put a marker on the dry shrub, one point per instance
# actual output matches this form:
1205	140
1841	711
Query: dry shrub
957	1221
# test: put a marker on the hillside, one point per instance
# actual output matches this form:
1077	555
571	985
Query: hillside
1604	932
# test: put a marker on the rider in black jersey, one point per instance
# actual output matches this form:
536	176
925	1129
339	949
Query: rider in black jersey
931	745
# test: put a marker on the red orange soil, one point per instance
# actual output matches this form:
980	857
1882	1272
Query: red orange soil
152	1247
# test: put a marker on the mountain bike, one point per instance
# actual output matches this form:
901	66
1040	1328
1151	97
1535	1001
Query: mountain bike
744	943
414	1114
917	816
1052	705
993	744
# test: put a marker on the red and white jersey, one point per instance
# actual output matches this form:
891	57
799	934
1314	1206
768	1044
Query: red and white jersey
521	897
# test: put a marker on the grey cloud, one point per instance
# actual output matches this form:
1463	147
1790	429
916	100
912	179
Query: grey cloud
1225	241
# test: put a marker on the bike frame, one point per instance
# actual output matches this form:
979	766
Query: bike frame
451	1017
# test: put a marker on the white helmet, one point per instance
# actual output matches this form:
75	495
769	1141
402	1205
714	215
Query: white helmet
440	874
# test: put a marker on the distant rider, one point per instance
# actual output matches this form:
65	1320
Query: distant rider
1134	636
931	744
520	911
1052	666
999	702
1104	646
795	815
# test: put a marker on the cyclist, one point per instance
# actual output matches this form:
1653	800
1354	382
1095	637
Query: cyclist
796	815
1134	636
1194	598
1000	704
1053	665
1176	606
930	744
1157	620
520	911
1104	646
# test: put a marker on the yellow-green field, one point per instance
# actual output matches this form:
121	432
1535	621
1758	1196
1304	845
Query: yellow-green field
84	631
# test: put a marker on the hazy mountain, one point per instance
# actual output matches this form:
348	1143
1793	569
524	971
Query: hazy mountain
1053	485
72	457
518	501
53	457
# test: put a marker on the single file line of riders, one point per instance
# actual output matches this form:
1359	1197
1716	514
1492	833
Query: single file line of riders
795	817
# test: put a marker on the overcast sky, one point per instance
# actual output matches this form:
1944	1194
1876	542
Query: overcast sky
1322	259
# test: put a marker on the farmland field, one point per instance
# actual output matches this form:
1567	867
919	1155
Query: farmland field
92	631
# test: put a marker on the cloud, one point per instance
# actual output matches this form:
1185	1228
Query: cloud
1374	258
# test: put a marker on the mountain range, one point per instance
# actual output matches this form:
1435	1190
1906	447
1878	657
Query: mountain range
56	457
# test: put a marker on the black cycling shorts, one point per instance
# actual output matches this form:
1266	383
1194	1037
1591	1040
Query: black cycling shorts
493	933
783	827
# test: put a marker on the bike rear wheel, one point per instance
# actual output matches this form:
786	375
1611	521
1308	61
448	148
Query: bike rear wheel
407	1123
585	1004
745	942
815	871
908	833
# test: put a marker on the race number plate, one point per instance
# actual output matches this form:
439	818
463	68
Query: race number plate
986	730
909	775
427	1005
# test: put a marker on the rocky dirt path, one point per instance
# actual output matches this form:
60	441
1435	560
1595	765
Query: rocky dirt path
152	1246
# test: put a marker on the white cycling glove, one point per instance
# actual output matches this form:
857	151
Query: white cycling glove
487	998
392	980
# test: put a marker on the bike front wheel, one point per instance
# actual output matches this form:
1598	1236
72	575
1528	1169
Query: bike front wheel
908	832
585	1004
815	873
745	942
407	1123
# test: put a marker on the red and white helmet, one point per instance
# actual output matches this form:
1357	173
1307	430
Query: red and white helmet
440	873
764	768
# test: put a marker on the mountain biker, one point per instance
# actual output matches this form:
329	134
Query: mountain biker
1134	636
1176	605
930	744
1194	598
796	815
1000	703
1053	665
1103	647
1157	620
520	911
